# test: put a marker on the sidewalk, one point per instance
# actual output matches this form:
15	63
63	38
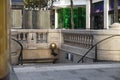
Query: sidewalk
69	72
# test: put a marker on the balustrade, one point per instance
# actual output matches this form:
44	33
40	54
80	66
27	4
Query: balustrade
21	36
41	37
36	38
78	40
73	41
30	37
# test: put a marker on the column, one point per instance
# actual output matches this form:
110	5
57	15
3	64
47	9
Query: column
88	14
4	39
45	19
56	19
106	15
27	19
16	18
36	19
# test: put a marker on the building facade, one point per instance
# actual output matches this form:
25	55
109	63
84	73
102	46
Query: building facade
16	13
99	13
29	19
88	14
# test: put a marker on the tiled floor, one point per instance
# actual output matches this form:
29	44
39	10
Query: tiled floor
69	72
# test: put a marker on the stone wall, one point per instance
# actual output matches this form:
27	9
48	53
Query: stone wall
71	42
107	50
36	43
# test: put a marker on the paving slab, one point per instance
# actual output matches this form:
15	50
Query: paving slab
69	72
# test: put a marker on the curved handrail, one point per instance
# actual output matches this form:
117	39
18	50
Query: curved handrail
95	46
20	58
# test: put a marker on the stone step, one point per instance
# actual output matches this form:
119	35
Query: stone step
41	60
54	67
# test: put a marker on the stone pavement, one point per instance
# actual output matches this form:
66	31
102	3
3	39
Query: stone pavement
68	72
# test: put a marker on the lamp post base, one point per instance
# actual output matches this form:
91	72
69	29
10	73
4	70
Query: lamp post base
53	53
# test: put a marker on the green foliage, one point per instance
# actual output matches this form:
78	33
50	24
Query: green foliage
64	18
35	3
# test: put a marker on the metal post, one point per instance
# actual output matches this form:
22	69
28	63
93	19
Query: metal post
82	60
95	60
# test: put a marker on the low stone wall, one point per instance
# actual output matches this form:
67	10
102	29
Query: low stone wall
108	49
75	42
36	43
